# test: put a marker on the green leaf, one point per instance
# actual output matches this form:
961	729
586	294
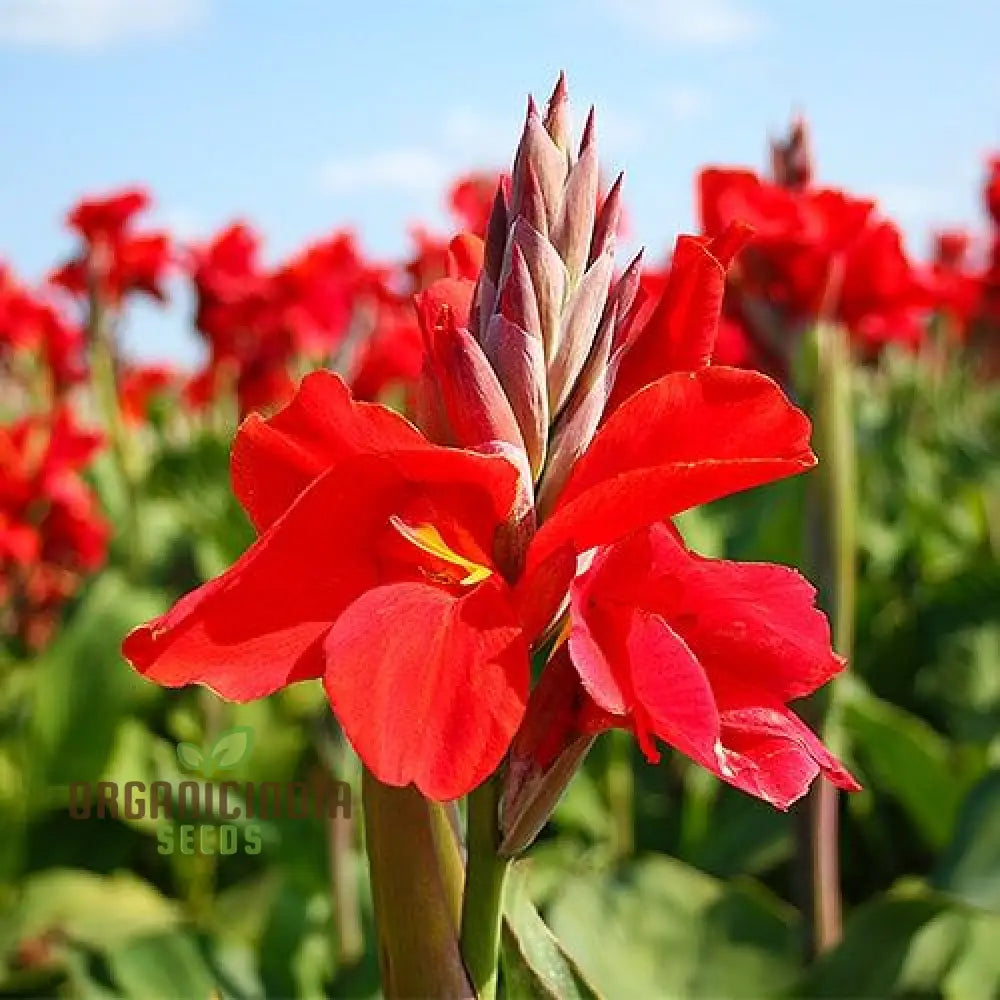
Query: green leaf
84	687
970	867
659	928
909	760
911	942
231	747
535	967
98	911
162	967
190	757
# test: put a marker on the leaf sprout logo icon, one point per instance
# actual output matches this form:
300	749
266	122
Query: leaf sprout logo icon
232	746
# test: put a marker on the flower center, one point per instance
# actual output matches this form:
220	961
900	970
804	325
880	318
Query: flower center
428	539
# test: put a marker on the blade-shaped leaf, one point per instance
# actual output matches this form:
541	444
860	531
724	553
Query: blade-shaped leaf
534	964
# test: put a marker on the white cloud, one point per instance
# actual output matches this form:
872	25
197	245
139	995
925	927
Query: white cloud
479	138
466	140
688	22
94	24
684	102
413	170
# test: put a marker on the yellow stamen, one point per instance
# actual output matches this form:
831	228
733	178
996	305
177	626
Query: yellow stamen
428	539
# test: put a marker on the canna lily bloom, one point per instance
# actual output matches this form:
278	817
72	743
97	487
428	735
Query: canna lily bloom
376	570
31	325
704	655
815	254
114	260
700	654
414	572
51	532
325	302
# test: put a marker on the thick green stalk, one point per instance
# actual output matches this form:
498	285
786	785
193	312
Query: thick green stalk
482	905
832	536
416	880
102	352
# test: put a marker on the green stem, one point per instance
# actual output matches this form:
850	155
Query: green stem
621	793
834	549
106	386
482	904
416	880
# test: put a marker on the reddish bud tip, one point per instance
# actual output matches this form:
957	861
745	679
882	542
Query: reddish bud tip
589	131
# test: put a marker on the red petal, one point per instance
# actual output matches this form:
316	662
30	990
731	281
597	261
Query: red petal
260	625
672	689
274	460
453	295
429	688
632	663
746	622
684	440
771	753
465	256
680	334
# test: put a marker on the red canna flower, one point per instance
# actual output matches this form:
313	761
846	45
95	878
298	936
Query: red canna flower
704	655
32	326
106	219
415	578
376	570
51	533
815	254
114	260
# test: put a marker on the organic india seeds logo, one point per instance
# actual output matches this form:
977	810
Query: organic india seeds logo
211	816
227	751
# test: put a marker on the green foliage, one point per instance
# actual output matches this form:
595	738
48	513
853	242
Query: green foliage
706	904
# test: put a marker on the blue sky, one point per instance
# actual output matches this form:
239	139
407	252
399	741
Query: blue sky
305	115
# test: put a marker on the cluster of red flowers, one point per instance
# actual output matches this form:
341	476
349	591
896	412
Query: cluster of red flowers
114	260
567	411
327	305
51	531
818	254
37	342
968	290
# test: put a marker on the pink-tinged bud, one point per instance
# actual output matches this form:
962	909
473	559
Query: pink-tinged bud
532	208
548	278
582	316
472	398
517	293
496	236
626	300
581	417
546	752
548	161
557	115
573	231
607	222
495	244
539	312
518	358
513	344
